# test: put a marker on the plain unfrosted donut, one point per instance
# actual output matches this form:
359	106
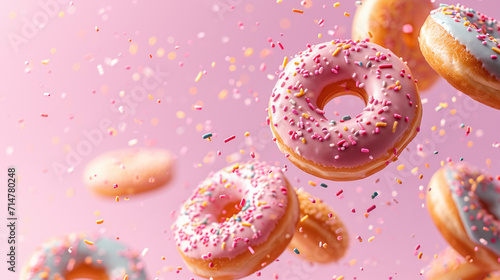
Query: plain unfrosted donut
128	171
321	236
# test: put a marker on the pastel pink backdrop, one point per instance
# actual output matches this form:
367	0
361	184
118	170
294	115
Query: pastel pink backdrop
52	47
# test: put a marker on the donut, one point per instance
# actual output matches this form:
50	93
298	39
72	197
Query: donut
356	146
128	171
462	46
450	265
463	203
237	221
395	25
321	236
493	276
78	256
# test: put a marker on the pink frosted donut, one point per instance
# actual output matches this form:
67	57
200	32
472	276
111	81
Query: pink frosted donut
353	147
237	221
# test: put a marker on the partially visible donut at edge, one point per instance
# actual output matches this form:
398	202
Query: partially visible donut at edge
395	25
469	60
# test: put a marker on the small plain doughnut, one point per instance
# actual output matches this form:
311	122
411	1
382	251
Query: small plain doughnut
78	256
463	203
237	221
395	25
355	146
321	236
462	45
450	265
128	171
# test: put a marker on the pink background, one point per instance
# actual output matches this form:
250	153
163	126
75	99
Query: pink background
184	38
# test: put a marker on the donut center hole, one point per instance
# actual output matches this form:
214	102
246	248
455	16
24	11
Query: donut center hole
228	210
342	99
87	272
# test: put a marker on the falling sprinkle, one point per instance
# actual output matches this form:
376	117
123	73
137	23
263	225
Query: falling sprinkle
296	251
88	242
198	77
100	69
207	136
229	138
371	208
144	252
407	28
132	142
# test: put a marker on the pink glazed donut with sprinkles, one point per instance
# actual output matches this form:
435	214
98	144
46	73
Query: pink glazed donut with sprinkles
355	146
237	221
463	46
464	203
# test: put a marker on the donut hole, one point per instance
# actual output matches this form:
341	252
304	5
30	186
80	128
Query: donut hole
86	272
228	210
342	99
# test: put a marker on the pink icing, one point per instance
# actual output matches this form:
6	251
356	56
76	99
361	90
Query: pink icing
261	191
362	137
